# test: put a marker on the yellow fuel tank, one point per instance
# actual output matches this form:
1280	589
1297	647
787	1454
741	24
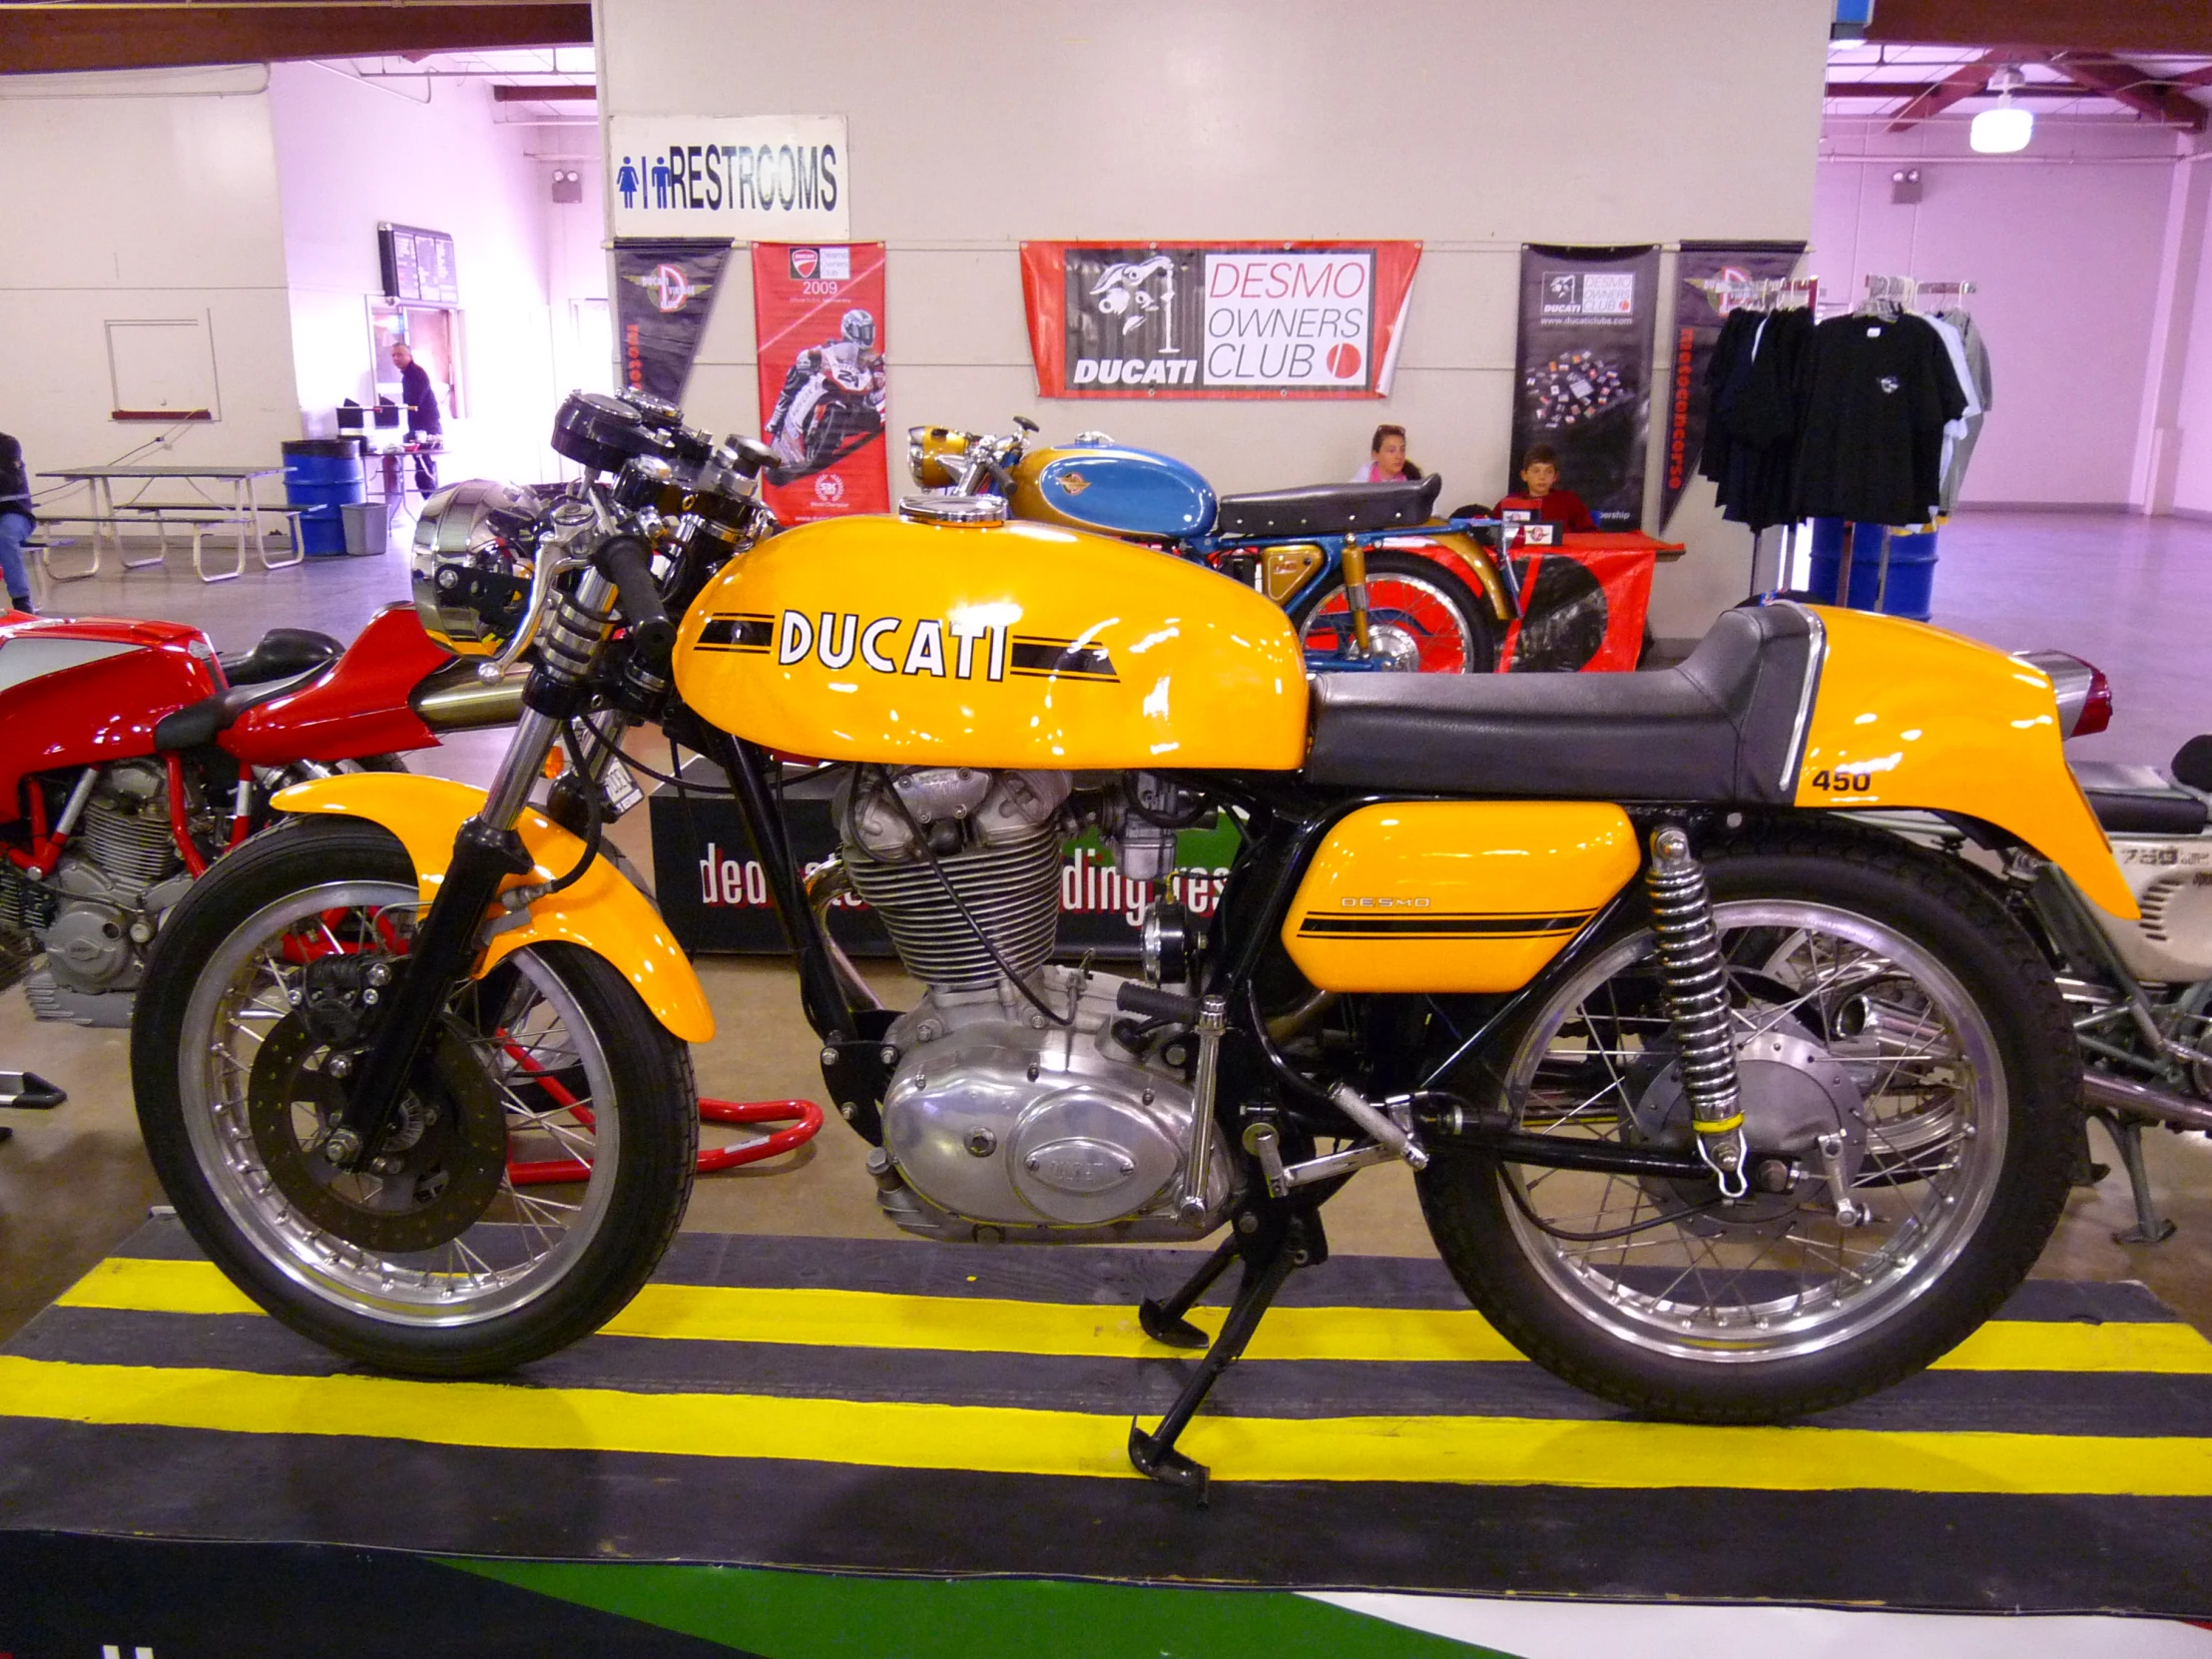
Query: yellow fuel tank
1003	645
1455	895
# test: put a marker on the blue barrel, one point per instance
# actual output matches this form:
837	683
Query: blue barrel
323	476
1912	585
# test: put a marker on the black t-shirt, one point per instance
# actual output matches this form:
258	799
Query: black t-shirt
421	401
1873	397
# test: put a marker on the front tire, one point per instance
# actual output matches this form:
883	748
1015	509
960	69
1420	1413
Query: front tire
438	1266
1866	979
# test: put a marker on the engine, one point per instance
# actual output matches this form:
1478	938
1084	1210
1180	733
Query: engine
95	916
1025	1104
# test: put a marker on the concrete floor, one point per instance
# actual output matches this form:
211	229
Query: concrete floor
2128	593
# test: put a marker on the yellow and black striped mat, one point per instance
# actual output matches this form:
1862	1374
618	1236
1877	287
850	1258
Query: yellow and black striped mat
912	1407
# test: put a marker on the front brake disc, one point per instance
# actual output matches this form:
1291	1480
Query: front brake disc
449	1155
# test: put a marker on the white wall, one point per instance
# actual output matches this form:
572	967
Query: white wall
2185	453
1473	125
350	153
2067	245
141	196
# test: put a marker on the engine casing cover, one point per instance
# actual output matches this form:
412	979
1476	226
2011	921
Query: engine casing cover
996	1118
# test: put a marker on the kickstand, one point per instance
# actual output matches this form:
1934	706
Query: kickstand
1163	1321
2150	1228
1281	1245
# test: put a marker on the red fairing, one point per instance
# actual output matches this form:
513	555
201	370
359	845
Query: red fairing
75	692
358	707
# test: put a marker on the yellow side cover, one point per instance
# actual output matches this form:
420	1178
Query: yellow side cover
602	914
1455	895
1908	716
1015	645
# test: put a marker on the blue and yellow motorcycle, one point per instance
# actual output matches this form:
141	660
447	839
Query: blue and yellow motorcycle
1371	579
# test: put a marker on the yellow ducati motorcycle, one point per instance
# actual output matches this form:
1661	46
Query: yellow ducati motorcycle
1717	1104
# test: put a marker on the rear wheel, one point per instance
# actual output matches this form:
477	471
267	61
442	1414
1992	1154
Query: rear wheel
1878	1000
1421	617
431	1261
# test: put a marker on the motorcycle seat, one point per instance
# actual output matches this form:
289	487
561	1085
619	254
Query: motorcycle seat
279	654
1327	509
1723	725
2140	801
200	722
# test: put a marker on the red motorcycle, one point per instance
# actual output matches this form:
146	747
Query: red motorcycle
131	755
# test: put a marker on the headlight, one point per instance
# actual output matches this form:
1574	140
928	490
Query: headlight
935	455
472	564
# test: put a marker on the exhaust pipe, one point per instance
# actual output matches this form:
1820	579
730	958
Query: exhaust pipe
2106	1093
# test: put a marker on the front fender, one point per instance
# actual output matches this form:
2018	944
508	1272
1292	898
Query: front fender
602	914
1907	716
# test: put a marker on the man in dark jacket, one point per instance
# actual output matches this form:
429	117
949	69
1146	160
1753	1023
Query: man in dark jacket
16	523
423	422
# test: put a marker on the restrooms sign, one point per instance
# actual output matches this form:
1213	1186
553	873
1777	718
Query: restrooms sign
1217	320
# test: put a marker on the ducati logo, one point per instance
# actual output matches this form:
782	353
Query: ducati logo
670	287
922	647
806	261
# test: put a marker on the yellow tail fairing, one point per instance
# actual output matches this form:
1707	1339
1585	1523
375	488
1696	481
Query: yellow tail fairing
602	914
1015	645
1456	895
1911	717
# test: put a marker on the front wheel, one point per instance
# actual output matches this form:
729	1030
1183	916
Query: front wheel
261	990
1880	1004
1422	618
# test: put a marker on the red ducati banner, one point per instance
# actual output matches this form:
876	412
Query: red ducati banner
1218	318
817	314
1584	603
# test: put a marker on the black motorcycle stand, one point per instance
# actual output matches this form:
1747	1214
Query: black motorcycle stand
2150	1227
1279	1243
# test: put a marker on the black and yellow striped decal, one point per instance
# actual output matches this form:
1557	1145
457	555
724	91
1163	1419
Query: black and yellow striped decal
751	633
1437	924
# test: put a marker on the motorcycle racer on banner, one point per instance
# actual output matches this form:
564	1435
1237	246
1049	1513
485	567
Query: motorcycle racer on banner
832	402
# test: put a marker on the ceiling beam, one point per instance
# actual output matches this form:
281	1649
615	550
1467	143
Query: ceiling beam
48	39
2049	90
1969	80
2053	25
2131	85
562	94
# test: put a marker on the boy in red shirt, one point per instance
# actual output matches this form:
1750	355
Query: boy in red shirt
1540	492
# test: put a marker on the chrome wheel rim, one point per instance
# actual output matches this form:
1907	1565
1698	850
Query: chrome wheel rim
1401	642
1670	1271
532	1049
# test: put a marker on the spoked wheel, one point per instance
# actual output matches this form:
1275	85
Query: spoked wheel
1909	1093
261	992
1421	619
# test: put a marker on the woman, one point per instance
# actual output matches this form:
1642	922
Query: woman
1387	462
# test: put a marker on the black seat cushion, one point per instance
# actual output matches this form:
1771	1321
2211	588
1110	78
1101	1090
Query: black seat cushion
2193	763
279	654
2139	801
201	722
1329	509
1723	726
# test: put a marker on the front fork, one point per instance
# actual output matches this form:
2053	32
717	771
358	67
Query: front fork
1356	599
486	851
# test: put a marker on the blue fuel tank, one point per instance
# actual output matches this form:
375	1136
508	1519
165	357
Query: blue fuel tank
1123	492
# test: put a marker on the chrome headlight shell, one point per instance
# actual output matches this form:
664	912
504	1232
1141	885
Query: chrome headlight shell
474	554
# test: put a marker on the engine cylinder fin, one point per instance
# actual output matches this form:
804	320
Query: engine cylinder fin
1012	891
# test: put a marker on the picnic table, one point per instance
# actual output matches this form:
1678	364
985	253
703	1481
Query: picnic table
109	518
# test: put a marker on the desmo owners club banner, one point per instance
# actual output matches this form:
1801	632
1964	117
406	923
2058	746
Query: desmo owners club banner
818	315
1216	319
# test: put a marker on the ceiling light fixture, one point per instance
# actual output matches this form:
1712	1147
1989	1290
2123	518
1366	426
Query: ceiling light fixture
2007	128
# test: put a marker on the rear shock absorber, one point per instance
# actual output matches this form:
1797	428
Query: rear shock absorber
1693	982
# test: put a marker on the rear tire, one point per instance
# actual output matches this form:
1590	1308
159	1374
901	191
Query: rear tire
1609	1320
528	1271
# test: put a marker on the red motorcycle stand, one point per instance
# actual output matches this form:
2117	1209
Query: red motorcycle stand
805	1121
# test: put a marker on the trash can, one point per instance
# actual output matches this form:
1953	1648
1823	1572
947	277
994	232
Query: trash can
1911	587
367	529
323	476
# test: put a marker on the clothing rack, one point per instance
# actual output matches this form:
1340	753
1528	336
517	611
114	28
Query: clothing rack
1765	293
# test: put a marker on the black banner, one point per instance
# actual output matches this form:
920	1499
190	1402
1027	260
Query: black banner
664	294
1733	267
1583	382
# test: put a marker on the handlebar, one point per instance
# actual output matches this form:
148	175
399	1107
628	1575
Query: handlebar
626	563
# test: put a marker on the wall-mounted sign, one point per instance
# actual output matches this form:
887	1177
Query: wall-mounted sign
752	178
417	265
1217	320
1583	377
818	315
664	294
